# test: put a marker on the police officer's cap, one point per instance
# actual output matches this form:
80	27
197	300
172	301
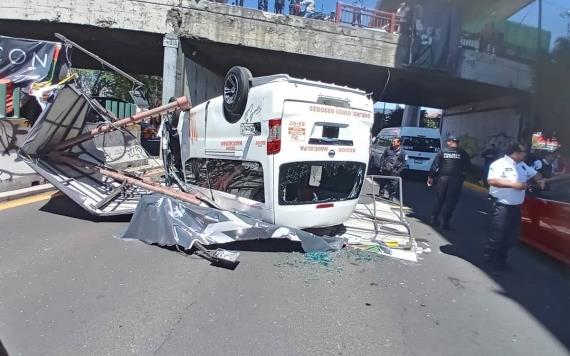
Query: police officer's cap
452	138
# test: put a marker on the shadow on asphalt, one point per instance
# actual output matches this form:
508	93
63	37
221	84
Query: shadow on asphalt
64	206
269	245
3	351
539	284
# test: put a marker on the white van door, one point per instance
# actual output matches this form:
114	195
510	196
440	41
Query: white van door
220	137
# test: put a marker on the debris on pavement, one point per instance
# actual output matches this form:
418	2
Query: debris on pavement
166	221
322	258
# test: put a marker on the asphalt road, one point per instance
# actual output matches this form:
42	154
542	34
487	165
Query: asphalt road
68	287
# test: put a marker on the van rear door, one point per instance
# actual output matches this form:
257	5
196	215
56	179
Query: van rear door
334	140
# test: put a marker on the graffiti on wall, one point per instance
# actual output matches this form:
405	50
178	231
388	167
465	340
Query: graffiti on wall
475	146
501	141
470	144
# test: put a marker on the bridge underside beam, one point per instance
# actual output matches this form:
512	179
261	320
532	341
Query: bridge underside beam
415	87
142	52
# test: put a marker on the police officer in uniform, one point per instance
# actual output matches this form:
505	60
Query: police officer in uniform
545	166
449	167
508	178
392	163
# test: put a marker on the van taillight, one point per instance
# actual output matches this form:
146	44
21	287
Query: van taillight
274	137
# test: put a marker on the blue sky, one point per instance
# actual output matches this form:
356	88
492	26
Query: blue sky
551	19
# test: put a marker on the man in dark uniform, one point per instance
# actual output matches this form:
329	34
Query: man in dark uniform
392	163
449	167
489	155
545	166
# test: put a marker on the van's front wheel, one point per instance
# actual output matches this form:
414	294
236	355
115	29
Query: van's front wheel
236	90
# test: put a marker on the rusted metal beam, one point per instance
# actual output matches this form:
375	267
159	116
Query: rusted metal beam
181	103
122	178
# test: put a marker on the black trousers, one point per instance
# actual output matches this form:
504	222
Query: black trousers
390	185
503	232
448	191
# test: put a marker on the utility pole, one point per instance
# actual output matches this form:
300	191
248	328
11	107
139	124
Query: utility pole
566	15
539	40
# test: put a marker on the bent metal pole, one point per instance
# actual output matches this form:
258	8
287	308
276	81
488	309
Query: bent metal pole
181	103
122	178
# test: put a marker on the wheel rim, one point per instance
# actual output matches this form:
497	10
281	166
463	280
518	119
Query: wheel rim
231	87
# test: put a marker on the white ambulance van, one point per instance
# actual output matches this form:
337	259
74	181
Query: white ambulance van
421	146
288	151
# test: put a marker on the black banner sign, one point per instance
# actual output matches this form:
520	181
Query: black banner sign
24	61
436	33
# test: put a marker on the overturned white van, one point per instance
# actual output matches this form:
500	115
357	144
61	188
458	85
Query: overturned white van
288	151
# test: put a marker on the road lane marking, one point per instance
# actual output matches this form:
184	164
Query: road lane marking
28	200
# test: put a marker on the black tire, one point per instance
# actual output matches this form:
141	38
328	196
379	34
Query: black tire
236	90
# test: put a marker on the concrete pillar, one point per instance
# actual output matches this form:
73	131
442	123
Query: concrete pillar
411	117
201	84
170	43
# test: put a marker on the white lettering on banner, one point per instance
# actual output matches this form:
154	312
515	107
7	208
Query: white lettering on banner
14	61
18	56
44	63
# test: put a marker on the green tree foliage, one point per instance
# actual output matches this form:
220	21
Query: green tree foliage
552	92
429	120
110	84
389	119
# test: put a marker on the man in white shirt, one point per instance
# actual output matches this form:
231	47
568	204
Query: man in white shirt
508	179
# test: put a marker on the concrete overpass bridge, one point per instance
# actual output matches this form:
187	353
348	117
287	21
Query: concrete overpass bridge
214	37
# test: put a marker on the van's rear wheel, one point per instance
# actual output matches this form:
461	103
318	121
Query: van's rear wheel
236	90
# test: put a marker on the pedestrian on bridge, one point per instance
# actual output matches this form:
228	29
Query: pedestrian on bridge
449	168
279	4
262	5
309	7
357	13
508	178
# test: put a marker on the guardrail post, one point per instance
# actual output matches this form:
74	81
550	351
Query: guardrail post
2	101
16	102
393	23
402	216
108	105
115	108
121	110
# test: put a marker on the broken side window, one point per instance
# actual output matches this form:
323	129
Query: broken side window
241	178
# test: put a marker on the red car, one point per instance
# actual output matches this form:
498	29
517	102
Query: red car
546	219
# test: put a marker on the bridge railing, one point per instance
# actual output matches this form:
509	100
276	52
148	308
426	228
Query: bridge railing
9	101
368	18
